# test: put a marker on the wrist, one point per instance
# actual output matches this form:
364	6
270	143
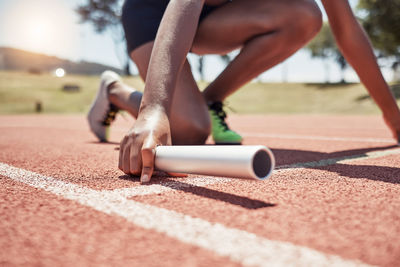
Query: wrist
393	119
153	113
152	108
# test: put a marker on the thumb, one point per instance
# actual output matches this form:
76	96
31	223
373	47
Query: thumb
148	156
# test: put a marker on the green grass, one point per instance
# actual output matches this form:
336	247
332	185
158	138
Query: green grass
303	98
20	91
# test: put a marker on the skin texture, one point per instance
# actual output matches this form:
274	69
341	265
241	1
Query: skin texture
172	110
152	124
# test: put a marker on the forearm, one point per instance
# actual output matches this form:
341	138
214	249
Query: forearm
356	48
173	42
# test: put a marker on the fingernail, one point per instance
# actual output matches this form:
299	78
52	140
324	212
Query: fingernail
145	178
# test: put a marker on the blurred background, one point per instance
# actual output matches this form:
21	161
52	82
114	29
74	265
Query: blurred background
52	52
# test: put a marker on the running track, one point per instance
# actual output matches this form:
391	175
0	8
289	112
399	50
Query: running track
334	199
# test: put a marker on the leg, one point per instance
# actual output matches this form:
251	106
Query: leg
190	122
268	31
125	97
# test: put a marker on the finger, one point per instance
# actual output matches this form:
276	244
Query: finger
148	164
148	155
126	159
121	153
135	160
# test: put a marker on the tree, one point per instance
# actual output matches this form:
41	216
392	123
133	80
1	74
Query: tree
200	67
105	15
226	58
101	13
324	46
381	20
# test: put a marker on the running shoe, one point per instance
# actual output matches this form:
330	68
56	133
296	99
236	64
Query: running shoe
102	113
220	131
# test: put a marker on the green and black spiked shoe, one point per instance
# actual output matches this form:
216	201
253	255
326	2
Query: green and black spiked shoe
220	131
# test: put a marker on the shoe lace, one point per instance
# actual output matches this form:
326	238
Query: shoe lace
218	108
109	117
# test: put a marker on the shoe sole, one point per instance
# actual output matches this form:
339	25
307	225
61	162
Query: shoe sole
227	144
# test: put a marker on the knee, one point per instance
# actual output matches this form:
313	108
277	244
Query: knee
297	23
199	132
306	19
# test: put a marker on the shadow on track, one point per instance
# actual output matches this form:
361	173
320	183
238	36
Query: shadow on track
241	201
289	156
375	173
236	200
371	172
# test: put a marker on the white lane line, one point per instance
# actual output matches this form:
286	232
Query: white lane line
239	246
164	187
167	186
320	138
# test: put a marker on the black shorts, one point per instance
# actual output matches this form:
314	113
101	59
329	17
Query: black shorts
141	19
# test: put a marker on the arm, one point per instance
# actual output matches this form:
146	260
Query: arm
173	42
356	48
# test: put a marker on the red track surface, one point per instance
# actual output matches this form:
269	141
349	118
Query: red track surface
349	208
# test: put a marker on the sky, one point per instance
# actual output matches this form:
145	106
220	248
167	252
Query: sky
52	27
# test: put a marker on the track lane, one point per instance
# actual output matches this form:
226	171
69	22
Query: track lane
63	148
240	246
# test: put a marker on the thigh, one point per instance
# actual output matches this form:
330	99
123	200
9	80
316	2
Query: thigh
140	20
189	113
231	25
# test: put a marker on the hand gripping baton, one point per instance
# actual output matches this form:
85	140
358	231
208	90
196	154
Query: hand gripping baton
248	162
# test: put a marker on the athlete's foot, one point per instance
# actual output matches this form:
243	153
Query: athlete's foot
102	113
220	131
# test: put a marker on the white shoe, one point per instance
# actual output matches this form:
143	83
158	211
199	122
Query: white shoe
102	112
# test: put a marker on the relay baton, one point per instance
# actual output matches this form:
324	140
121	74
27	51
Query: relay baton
247	162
